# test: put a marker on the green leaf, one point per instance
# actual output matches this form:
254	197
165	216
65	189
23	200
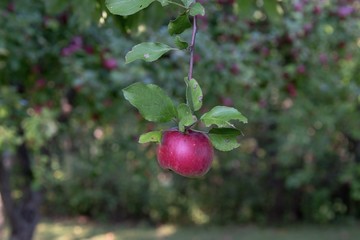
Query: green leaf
147	51
185	116
163	2
127	7
187	3
154	136
151	101
194	95
246	8
270	7
221	116
180	43
197	9
179	25
224	139
56	6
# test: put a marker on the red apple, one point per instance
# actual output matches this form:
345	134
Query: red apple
11	7
301	69
89	49
308	27
234	69
189	154
40	83
316	10
298	6
38	109
344	11
197	58
291	89
109	63
227	101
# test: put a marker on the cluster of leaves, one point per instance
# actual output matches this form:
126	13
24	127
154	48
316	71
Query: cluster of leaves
156	106
152	101
150	51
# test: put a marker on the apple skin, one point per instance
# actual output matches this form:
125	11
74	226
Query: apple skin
189	154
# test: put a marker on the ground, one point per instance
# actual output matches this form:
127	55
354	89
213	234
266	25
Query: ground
81	229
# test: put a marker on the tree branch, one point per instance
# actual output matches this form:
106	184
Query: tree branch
192	47
5	188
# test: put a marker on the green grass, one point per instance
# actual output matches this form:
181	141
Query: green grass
76	230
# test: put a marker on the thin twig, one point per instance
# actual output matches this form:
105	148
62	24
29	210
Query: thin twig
192	46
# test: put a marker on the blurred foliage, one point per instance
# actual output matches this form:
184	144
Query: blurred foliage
291	66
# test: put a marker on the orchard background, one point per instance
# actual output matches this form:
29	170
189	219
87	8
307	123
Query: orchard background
69	140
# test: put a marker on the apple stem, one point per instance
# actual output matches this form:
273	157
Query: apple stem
192	46
189	127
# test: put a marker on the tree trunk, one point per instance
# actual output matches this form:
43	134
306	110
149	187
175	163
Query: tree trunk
2	217
22	214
